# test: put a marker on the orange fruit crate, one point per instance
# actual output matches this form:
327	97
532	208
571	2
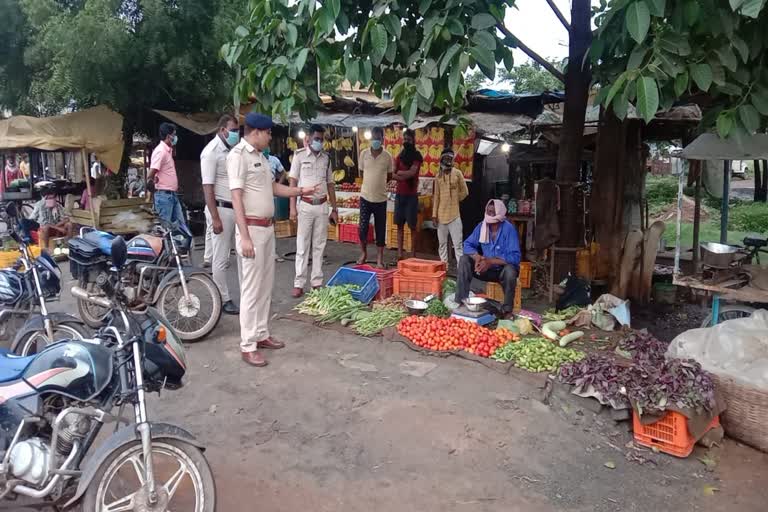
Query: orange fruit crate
526	274
669	434
419	286
412	266
351	233
285	229
333	232
386	280
392	239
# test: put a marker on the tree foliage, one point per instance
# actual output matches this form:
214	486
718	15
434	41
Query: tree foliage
419	49
653	52
532	78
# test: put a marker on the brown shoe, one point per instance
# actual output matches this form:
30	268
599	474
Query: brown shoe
271	343
254	358
297	293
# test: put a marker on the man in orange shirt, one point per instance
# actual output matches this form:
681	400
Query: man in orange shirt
162	175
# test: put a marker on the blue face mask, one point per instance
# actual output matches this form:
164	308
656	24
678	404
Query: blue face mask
174	140
316	145
376	144
233	137
266	152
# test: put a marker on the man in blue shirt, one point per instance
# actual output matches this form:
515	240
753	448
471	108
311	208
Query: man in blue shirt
491	254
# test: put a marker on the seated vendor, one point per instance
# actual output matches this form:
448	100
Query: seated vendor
491	254
49	218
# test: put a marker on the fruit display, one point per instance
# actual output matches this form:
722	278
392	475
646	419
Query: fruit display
451	334
351	218
347	187
464	149
349	202
338	175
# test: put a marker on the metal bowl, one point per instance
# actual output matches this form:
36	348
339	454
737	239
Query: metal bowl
474	303
718	255
416	307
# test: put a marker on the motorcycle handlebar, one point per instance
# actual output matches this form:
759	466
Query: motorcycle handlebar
79	293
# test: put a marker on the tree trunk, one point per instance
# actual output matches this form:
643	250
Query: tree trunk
758	181
764	182
577	80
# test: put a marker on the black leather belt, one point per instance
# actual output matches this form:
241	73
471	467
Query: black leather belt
224	204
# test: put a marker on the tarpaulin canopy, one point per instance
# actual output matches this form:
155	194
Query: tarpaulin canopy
201	123
97	130
709	146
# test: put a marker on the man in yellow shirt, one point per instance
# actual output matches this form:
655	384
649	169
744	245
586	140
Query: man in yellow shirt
376	167
450	189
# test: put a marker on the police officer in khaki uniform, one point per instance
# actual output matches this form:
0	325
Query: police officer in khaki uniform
311	167
253	190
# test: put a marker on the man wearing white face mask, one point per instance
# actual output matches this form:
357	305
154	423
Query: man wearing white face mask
218	204
311	167
162	177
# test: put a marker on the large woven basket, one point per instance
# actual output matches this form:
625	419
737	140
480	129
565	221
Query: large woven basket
746	416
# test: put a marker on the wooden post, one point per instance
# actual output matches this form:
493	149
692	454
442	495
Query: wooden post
696	166
87	177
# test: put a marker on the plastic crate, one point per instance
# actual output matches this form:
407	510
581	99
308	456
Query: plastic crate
285	229
333	232
526	274
351	233
669	434
392	239
413	266
494	291
367	281
386	280
419	286
8	258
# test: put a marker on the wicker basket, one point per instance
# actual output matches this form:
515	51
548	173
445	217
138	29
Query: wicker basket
746	415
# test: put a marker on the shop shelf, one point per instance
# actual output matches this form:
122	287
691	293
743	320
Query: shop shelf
351	233
367	281
669	434
386	280
419	286
412	266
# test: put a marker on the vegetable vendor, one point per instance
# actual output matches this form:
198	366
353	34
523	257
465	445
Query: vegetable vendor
491	254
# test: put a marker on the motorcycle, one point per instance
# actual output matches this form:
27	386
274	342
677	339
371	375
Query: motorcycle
24	292
55	403
156	276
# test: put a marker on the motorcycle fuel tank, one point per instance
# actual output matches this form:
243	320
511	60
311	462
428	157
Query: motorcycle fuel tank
144	248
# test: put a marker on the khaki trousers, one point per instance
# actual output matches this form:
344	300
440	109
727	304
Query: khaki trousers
312	233
455	229
258	277
221	250
208	252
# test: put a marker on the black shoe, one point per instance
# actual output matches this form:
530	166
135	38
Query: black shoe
229	308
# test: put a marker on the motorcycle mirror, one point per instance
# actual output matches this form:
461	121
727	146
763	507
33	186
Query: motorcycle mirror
119	252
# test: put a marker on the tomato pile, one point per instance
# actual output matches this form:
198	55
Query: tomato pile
447	334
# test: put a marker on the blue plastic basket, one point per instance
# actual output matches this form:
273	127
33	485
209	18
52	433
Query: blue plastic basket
367	281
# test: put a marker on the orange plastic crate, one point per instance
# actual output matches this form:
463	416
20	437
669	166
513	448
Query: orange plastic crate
386	280
412	266
392	239
418	287
351	233
669	434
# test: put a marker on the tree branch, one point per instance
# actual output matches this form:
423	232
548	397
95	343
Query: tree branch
559	15
532	54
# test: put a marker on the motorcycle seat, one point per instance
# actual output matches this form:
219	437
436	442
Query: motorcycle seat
755	241
12	366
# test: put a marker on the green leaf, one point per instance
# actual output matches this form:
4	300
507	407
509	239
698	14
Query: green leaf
291	34
424	6
392	24
735	4
301	59
484	39
759	98
449	54
636	57
324	21
741	47
647	98
727	58
454	26
657	7
454	79
378	43
718	71
615	88
429	69
353	72
483	20
424	88
335	6
391	54
463	61
692	11
681	83
724	124
621	102
508	58
483	56
750	118
366	72
702	76
638	20
601	96
410	110
752	8
242	32
342	23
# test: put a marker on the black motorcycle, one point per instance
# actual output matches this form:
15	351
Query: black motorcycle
57	401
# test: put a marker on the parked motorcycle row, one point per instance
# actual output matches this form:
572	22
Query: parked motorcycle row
65	378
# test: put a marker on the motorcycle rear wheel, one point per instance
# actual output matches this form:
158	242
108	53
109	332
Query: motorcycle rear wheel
90	313
189	471
35	341
192	322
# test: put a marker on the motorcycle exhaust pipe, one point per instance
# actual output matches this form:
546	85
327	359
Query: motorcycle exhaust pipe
79	293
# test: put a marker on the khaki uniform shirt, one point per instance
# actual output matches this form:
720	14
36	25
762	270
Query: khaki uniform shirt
450	190
375	170
248	169
213	168
310	170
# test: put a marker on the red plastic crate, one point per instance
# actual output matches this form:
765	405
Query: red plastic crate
386	280
413	266
351	233
419	286
669	434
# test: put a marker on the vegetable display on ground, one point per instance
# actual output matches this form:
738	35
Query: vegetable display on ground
368	323
437	308
451	334
537	355
328	300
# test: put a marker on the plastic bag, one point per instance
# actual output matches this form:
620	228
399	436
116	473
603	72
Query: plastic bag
616	307
735	348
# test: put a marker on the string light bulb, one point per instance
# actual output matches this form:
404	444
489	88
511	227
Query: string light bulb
505	147
354	129
302	134
367	135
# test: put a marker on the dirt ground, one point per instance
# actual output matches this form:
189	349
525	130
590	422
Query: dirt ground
341	423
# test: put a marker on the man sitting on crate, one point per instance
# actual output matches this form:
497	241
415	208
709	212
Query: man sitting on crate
491	254
49	219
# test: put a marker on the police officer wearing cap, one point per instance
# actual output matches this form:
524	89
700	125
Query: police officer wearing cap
253	191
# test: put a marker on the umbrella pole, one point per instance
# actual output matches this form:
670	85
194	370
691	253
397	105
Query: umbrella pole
724	208
87	176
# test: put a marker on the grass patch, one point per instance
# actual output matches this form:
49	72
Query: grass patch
660	191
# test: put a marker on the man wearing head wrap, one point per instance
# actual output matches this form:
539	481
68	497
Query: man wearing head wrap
407	165
450	190
491	254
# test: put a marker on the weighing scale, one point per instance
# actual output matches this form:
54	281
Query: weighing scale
482	317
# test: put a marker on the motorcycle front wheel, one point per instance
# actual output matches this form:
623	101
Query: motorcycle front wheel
184	480
195	318
35	341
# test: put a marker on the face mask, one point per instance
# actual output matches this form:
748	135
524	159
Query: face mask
376	144
446	164
233	137
174	140
316	145
266	152
408	145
